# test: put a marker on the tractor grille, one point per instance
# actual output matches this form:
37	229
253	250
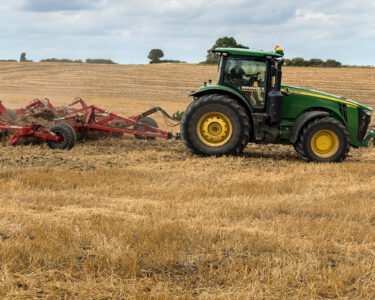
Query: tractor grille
342	108
363	123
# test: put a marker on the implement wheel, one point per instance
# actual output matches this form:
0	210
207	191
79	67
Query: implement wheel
67	134
138	127
215	125
323	140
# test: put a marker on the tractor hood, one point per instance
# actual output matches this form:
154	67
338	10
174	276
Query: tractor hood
322	95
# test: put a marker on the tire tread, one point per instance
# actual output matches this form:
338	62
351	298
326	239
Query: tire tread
299	146
206	99
70	137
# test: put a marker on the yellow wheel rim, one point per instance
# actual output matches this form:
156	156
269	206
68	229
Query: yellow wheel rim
324	143
214	129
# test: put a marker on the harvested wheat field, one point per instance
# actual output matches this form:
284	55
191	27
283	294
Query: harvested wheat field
127	218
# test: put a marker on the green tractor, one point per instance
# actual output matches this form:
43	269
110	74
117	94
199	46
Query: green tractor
249	104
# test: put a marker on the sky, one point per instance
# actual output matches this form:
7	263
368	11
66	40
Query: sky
126	30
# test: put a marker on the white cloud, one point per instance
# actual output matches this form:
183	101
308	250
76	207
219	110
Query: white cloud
58	5
125	30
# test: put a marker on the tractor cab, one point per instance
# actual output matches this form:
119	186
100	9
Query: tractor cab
256	75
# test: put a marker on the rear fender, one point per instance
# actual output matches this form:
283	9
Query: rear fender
227	91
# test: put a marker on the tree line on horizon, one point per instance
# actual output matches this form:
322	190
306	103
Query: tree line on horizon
155	56
63	60
314	62
230	42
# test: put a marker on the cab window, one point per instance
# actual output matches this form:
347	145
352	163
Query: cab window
249	77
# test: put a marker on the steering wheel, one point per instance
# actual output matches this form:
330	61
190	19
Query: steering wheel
252	77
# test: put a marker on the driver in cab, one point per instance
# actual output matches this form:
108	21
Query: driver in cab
247	83
237	72
237	75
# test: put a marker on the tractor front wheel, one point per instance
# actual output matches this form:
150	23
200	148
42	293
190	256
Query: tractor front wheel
215	125
323	140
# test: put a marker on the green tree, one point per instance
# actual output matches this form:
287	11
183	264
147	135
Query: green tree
99	61
23	57
298	62
288	62
228	42
155	55
315	62
332	63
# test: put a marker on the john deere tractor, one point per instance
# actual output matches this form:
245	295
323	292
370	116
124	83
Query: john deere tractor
249	104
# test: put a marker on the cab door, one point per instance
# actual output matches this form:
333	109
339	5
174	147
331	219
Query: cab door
249	77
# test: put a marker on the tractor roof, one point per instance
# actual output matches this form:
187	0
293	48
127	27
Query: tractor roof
246	52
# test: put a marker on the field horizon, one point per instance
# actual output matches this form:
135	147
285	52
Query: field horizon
137	219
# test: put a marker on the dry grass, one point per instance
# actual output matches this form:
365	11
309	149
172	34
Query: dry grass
145	219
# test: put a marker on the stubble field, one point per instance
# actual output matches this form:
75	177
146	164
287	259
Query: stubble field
126	218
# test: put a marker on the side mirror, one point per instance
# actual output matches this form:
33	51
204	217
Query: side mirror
278	74
280	63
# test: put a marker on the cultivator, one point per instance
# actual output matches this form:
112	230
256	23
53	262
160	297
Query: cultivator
59	126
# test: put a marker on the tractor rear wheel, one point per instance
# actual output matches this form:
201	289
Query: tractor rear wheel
67	134
323	140
215	125
138	127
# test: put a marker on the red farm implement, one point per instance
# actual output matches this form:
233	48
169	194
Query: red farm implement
60	131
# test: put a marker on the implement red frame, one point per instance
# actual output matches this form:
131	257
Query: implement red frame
99	119
86	118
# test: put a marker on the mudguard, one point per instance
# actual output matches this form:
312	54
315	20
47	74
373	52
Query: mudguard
302	120
223	90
